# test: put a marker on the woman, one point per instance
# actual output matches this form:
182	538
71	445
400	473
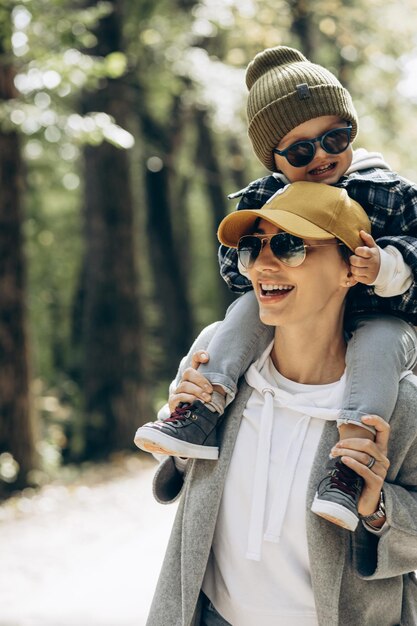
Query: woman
245	547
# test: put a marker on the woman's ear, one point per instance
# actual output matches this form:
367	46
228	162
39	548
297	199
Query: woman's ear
349	280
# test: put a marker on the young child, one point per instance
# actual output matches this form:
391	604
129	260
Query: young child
302	123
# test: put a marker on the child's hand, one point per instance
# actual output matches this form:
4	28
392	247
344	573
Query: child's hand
193	385
366	261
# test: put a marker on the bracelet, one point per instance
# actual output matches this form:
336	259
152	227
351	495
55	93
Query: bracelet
379	513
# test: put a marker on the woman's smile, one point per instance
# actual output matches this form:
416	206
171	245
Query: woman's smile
267	291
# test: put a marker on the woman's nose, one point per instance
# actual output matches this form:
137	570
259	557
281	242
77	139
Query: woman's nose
267	258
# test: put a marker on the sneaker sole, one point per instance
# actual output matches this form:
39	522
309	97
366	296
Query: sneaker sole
335	513
160	443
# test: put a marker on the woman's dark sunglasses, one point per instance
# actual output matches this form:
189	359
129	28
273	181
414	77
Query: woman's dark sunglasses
288	249
301	153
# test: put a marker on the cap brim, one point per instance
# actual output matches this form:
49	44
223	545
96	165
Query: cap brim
240	223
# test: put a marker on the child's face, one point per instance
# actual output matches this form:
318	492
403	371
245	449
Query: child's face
324	168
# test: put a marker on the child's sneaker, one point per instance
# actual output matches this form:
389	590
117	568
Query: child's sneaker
338	494
189	432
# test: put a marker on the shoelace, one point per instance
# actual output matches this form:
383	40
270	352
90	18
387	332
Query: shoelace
182	412
344	479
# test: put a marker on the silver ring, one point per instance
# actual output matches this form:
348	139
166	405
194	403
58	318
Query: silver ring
371	462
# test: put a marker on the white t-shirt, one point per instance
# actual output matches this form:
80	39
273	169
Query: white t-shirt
258	572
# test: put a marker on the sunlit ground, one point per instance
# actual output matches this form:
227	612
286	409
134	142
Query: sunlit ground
85	554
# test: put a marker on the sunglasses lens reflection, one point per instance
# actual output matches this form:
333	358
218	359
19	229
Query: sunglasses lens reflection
336	141
301	154
249	248
286	248
333	142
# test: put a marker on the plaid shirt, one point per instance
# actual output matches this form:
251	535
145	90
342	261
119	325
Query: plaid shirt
391	204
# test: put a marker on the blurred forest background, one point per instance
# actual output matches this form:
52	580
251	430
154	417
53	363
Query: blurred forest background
122	130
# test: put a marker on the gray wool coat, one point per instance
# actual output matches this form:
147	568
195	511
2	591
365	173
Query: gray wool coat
358	579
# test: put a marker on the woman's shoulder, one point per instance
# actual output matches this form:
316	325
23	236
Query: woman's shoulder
408	385
406	407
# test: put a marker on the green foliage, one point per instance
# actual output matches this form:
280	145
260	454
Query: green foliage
5	29
178	57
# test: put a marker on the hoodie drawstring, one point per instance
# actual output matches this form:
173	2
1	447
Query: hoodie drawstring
273	396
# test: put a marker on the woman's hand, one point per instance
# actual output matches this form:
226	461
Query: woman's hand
193	385
358	454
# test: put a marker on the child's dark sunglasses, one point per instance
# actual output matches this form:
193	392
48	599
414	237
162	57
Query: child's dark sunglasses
288	249
301	153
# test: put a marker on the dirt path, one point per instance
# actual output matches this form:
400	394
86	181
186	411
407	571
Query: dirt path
85	554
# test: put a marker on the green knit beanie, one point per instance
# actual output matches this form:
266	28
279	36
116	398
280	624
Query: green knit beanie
285	90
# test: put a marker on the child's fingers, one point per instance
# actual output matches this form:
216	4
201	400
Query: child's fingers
368	251
201	356
361	272
365	268
361	254
361	268
367	239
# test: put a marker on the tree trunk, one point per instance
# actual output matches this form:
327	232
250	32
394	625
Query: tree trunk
167	269
168	245
206	157
111	322
16	422
302	26
237	167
